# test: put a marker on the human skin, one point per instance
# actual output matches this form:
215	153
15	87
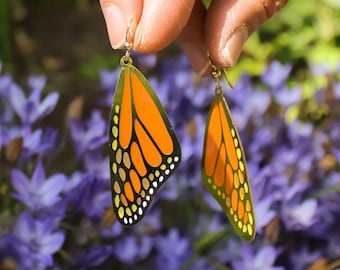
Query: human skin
217	33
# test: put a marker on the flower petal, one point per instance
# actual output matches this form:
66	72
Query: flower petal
38	176
20	182
305	211
47	105
24	226
45	259
29	202
53	185
37	82
52	243
17	99
265	257
32	140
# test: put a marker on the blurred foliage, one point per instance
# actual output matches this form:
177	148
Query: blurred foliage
301	34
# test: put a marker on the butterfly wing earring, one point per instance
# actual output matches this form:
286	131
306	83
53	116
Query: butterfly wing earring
144	149
224	167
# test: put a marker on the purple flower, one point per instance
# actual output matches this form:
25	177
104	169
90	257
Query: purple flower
242	89
5	82
253	107
9	250
299	130
128	250
207	225
295	213
151	223
162	90
320	69
38	192
147	60
264	259
288	97
91	257
336	90
89	135
334	137
203	264
212	202
304	257
169	191
263	213
300	216
98	166
100	202
38	141
108	79
262	139
258	102
32	108
333	248
202	95
114	231
37	239
78	190
276	74
34	141
173	250
86	193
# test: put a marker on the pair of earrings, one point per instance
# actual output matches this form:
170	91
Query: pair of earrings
145	151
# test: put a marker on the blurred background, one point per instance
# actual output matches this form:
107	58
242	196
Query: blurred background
57	77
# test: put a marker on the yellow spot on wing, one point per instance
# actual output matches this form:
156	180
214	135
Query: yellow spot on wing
121	212
117	200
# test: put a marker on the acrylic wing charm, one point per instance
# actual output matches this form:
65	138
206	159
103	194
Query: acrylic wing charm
224	169
144	150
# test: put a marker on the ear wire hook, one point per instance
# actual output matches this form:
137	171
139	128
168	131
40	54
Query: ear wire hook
128	42
216	74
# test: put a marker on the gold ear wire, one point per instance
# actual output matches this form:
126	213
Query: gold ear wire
127	45
216	74
128	37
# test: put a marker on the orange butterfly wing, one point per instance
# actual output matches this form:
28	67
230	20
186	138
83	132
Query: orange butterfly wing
224	169
144	148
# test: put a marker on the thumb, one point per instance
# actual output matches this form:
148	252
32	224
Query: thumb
229	24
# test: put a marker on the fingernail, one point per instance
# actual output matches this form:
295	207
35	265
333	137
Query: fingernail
234	45
116	25
198	57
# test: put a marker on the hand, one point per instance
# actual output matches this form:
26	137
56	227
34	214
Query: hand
219	32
